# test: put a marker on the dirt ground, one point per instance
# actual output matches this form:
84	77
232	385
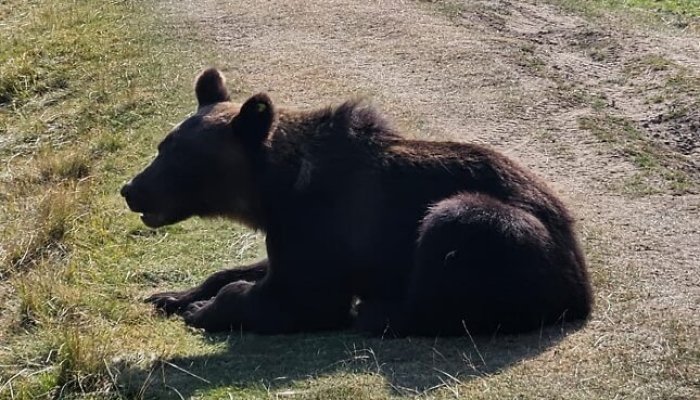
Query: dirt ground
603	107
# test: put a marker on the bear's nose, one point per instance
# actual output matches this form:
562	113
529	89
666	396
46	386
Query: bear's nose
126	189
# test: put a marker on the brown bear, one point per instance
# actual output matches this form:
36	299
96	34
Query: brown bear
363	227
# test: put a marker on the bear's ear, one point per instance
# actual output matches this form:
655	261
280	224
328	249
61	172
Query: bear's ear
254	121
210	87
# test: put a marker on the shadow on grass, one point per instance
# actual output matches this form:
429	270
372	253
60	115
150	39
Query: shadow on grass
279	364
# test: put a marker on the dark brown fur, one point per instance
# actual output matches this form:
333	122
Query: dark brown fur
431	237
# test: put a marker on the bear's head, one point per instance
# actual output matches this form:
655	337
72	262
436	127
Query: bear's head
205	165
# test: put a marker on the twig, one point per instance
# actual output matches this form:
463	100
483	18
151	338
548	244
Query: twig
176	391
9	381
186	371
474	344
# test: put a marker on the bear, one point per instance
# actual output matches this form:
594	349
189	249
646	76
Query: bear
364	228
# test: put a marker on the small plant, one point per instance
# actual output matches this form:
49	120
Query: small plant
48	225
659	168
58	167
83	355
651	63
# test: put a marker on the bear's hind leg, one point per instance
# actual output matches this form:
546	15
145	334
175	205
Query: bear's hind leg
485	266
228	310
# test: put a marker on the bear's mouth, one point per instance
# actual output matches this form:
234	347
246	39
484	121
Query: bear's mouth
154	220
157	220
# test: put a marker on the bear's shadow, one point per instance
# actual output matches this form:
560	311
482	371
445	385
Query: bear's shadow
275	363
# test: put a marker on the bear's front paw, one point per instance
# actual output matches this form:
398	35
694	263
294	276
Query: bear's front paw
169	302
194	314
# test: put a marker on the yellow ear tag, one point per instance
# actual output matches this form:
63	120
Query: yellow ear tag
262	107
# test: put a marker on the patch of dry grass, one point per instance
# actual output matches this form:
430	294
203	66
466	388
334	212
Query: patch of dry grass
41	233
660	169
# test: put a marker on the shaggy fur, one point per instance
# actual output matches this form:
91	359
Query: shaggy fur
432	238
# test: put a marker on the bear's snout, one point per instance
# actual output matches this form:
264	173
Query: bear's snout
125	190
129	194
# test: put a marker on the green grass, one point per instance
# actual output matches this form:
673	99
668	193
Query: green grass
87	88
659	169
683	7
683	14
648	64
688	8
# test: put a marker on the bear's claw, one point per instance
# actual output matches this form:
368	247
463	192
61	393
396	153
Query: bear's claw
192	314
168	302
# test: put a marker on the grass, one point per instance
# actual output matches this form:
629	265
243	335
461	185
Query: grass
87	88
677	14
660	170
527	58
683	7
648	64
689	8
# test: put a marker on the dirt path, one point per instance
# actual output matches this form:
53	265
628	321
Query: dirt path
603	110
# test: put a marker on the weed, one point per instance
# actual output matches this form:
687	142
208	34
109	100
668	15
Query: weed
574	95
685	8
651	63
656	99
528	58
82	353
43	236
654	161
685	83
59	167
451	9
